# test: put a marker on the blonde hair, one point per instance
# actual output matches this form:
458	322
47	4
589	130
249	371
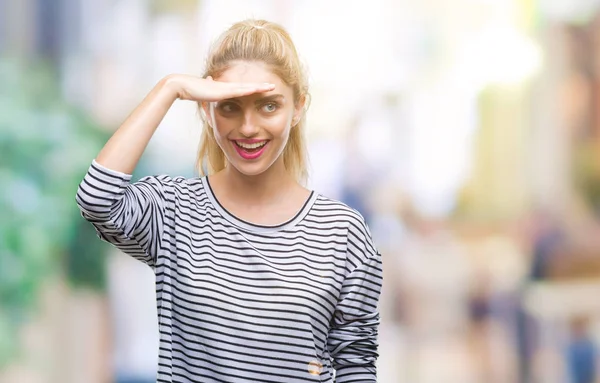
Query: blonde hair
267	42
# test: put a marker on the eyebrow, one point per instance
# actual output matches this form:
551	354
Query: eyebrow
261	100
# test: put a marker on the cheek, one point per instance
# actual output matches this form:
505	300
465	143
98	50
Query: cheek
279	124
222	126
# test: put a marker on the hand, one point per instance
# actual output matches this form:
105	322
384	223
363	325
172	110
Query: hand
199	89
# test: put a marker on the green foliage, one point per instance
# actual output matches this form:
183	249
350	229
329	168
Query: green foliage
45	149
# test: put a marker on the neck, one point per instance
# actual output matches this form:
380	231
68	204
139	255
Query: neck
262	189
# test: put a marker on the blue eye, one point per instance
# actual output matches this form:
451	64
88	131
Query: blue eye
270	107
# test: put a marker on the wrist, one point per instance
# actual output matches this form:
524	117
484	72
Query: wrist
172	85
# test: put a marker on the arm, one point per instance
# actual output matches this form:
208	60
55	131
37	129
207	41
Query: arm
125	148
129	216
352	339
132	216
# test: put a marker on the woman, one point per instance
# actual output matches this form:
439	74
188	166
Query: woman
258	278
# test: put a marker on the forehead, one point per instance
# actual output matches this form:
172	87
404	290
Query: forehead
250	71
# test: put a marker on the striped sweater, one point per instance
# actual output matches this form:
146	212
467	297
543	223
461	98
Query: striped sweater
239	302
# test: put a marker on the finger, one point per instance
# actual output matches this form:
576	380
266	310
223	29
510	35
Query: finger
246	89
232	90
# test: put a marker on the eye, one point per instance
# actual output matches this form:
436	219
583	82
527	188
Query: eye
227	107
270	107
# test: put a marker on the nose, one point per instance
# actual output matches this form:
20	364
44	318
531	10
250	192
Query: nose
249	126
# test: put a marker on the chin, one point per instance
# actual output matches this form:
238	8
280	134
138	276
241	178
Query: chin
250	170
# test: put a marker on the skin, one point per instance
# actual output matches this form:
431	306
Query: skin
261	192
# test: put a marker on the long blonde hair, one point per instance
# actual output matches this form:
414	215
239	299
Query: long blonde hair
267	42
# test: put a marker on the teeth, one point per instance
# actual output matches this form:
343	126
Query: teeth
251	146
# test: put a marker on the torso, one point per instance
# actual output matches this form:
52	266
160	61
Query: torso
236	301
249	299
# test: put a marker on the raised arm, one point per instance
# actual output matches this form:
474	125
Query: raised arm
133	216
124	149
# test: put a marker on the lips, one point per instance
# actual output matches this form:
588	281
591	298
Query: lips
250	149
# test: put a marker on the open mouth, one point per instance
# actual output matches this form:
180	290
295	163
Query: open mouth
250	151
251	148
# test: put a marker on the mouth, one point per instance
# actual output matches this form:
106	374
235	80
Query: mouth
250	151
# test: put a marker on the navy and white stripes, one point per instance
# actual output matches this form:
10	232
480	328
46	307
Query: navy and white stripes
239	302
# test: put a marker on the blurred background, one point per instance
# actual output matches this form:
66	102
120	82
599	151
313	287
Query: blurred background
467	132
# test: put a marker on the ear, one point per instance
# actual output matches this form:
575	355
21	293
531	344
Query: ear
205	109
298	110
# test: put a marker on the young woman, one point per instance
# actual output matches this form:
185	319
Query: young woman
258	279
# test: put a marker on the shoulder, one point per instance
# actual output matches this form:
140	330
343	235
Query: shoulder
173	184
169	180
360	247
342	213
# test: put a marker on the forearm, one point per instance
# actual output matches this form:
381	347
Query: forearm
125	148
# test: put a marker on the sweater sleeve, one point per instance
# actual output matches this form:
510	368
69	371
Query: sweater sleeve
352	339
128	215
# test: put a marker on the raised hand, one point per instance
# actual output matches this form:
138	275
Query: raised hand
199	89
